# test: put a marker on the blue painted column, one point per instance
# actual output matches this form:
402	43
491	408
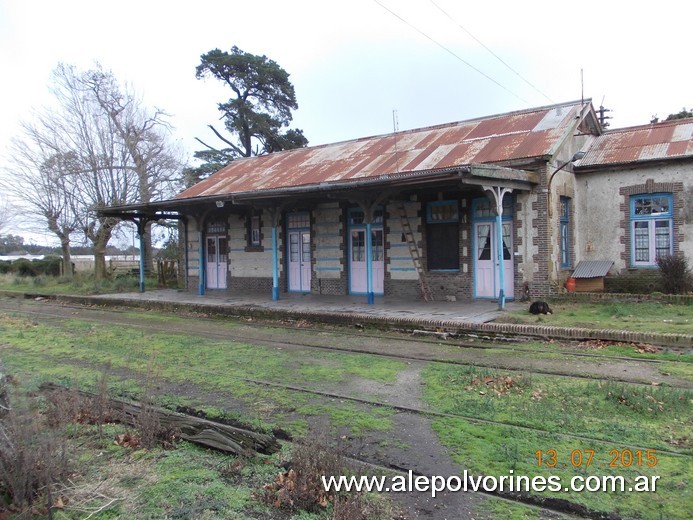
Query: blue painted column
498	194
202	270
141	235
369	264
275	264
501	263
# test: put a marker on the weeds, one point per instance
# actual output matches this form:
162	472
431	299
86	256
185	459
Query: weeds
33	458
301	486
647	401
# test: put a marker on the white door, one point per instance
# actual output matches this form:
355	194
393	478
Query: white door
299	261
358	275
486	272
217	262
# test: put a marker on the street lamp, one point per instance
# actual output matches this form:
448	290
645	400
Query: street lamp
578	155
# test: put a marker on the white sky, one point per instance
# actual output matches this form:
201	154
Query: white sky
352	62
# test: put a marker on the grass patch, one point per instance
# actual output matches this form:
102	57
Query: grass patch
621	416
81	283
648	416
497	508
358	420
73	352
637	317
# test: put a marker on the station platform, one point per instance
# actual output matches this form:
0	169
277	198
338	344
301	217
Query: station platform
386	308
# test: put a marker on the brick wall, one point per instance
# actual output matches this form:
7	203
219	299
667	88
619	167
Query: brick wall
541	240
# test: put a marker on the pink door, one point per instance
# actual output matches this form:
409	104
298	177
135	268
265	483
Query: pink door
299	261
358	269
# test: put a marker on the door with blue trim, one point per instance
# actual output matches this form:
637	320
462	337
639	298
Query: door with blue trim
486	269
217	262
298	249
486	266
358	268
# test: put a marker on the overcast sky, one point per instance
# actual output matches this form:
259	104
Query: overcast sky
352	62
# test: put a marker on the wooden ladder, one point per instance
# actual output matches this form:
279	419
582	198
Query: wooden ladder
414	252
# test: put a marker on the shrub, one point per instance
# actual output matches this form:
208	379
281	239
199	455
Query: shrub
50	266
24	267
675	274
32	459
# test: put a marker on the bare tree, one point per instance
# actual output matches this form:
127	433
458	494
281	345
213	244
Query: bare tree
98	148
144	134
6	214
38	178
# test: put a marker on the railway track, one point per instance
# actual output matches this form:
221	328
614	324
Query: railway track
97	315
52	312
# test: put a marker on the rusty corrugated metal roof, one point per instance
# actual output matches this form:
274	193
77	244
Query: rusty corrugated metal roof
657	141
515	135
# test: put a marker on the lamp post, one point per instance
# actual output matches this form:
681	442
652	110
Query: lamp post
578	155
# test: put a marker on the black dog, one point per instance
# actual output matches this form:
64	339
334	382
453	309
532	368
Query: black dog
540	308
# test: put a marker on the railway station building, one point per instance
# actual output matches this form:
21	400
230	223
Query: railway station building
498	207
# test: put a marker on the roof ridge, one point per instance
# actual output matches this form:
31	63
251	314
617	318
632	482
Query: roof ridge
672	122
438	126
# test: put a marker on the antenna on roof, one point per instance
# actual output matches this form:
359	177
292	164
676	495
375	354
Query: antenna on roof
395	128
582	87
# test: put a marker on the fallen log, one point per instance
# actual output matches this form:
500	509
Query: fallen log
222	437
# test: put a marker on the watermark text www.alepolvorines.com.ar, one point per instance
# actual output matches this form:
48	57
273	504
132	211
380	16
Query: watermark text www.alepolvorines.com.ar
490	484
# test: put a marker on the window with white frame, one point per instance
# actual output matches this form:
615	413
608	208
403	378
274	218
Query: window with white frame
651	228
565	232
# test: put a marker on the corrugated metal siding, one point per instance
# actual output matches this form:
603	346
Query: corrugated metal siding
518	135
592	269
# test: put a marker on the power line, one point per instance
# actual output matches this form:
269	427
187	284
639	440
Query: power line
451	52
490	51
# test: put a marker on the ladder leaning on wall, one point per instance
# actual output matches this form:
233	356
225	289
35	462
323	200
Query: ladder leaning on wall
414	252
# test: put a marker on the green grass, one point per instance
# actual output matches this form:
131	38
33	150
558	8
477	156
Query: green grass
637	317
82	283
497	508
349	416
620	416
76	352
